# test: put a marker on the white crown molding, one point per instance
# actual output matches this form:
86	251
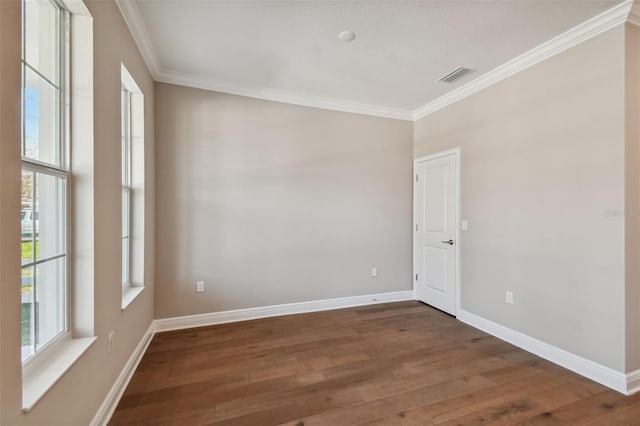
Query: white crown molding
133	18
201	320
634	15
208	83
135	22
108	406
627	11
597	372
597	25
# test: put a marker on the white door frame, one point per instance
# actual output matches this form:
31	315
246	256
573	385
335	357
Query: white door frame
457	152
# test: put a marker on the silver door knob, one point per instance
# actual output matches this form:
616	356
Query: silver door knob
450	242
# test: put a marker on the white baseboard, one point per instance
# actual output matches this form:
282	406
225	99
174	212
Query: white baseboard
108	406
633	382
190	321
623	383
599	373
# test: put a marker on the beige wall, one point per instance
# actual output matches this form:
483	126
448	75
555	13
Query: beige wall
272	203
76	397
632	193
10	81
543	190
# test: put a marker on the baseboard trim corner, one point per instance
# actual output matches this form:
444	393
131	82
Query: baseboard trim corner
108	406
606	376
222	317
633	382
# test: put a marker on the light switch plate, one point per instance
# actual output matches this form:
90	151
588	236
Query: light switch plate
464	225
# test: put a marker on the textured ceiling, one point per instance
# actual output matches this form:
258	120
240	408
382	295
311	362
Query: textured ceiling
402	47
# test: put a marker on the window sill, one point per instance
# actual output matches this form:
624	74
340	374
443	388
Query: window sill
129	293
37	381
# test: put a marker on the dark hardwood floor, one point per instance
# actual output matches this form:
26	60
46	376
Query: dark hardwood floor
396	363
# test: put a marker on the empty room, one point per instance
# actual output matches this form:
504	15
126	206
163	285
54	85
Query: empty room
319	212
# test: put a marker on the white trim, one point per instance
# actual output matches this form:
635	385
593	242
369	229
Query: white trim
133	18
129	294
200	320
208	83
458	154
633	382
135	22
40	378
626	384
583	32
108	406
128	81
627	11
77	7
441	154
597	372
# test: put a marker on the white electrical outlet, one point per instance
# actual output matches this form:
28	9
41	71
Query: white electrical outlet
374	272
110	341
199	286
509	297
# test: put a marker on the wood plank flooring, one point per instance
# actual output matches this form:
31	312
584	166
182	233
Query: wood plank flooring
391	364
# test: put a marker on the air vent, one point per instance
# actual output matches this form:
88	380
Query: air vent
455	74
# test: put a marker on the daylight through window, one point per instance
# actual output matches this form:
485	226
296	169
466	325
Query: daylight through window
126	187
45	175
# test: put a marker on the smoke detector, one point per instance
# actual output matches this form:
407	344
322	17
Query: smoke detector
347	36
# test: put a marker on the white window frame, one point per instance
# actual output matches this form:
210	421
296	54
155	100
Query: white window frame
61	171
133	183
42	371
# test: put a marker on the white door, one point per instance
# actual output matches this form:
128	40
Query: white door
435	228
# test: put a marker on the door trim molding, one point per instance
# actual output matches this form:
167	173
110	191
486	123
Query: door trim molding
458	154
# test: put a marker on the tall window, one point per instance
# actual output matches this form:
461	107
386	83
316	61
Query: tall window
45	175
133	195
126	187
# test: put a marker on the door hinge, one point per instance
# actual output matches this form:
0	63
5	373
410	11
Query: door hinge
416	277
416	226
416	178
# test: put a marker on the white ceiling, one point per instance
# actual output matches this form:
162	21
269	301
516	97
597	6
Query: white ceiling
289	50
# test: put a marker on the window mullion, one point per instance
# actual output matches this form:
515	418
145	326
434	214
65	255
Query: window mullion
39	74
39	167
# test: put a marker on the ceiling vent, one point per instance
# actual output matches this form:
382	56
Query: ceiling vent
455	74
